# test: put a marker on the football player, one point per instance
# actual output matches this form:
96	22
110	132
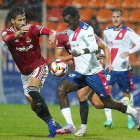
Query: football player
22	40
119	39
86	92
88	71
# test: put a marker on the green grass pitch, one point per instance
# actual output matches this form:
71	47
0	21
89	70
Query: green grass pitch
18	122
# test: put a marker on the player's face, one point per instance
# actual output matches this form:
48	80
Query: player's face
19	21
117	19
71	22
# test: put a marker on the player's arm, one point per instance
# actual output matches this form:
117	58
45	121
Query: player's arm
136	40
59	49
38	30
10	37
50	32
58	55
104	47
89	38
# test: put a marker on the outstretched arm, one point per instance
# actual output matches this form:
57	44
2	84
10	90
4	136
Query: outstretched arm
58	55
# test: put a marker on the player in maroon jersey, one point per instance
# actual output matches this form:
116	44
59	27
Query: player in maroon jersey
23	42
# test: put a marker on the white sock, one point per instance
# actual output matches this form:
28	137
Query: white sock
131	100
84	126
108	114
67	115
131	111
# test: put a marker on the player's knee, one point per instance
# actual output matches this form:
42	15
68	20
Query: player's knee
98	105
81	97
61	89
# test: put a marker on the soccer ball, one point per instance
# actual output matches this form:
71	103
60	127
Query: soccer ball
59	67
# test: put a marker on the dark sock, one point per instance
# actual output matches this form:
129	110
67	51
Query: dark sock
114	104
84	108
41	108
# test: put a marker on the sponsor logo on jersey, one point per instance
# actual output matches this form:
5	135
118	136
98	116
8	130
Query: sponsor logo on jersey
110	43
24	48
90	35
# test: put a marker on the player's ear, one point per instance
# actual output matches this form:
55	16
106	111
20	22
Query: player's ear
12	20
76	17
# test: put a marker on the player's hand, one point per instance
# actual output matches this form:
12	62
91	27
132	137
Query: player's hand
100	56
52	38
109	67
124	55
24	29
75	53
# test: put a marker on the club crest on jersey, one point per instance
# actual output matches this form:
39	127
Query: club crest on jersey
28	39
110	43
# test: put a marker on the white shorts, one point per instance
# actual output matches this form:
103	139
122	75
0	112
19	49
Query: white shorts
40	73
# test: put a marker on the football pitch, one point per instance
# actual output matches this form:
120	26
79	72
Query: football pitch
18	122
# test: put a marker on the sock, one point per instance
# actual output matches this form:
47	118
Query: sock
67	115
131	103
41	108
108	113
84	109
131	100
84	126
131	111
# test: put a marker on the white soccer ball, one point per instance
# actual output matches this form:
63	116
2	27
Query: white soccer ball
59	67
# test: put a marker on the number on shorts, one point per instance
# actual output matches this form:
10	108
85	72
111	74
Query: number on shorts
108	77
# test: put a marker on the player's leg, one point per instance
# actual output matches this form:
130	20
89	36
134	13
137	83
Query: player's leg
83	94
31	85
125	82
84	109
99	84
111	79
63	89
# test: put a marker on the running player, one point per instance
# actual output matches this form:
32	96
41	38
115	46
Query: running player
84	93
88	71
23	42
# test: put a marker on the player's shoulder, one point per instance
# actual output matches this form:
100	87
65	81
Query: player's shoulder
63	32
8	31
84	26
108	28
127	28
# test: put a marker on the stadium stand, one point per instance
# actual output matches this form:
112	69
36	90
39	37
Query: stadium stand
130	4
80	3
86	14
110	4
55	14
104	15
60	27
96	3
134	16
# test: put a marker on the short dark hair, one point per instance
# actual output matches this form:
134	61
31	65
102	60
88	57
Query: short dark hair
118	10
15	11
70	10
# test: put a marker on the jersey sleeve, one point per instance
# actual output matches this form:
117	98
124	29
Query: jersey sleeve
7	36
105	39
59	42
90	40
134	38
39	30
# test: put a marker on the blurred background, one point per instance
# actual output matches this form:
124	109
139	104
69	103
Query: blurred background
47	13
